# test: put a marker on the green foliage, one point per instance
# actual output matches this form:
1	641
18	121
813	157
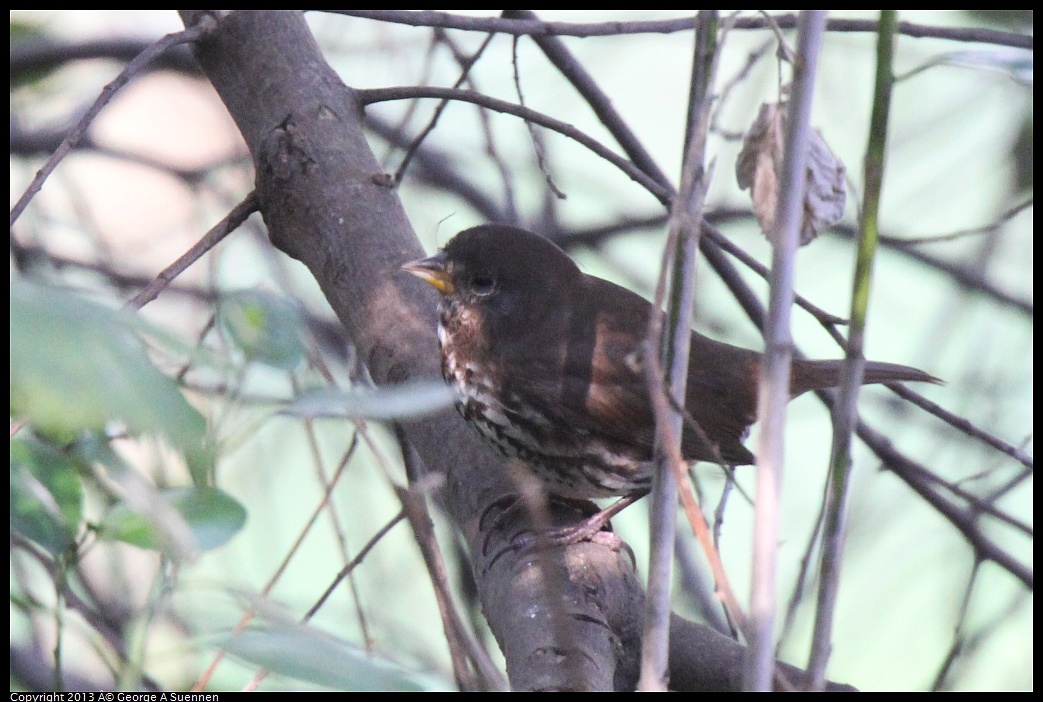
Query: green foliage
212	516
304	653
266	328
407	401
76	366
27	32
1021	155
46	494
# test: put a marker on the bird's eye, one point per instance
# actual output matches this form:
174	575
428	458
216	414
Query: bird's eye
483	285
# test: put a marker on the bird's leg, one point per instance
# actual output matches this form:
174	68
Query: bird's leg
537	518
591	528
592	525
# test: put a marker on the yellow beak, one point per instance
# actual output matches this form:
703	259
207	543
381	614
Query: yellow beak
433	270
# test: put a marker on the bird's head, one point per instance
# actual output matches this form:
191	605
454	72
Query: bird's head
509	274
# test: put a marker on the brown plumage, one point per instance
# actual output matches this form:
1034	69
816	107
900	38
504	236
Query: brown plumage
546	364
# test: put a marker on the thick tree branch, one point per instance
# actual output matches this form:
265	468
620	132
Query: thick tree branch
325	203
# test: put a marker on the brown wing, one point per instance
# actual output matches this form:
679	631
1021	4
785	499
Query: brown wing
602	390
721	398
584	372
721	395
616	400
598	389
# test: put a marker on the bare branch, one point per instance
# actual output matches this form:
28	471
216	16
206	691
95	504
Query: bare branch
774	377
846	410
226	226
444	20
107	93
964	519
373	95
465	69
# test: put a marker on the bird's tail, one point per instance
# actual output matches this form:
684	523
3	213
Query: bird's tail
815	375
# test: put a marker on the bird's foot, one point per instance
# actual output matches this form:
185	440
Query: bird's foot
595	526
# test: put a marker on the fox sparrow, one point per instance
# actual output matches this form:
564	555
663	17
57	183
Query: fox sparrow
546	364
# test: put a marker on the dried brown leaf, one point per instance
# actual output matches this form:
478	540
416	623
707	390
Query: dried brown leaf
760	161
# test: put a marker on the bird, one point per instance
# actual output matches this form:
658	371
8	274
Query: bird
546	364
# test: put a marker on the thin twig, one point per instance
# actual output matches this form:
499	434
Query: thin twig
846	411
693	581
825	318
673	349
989	228
437	38
958	630
963	518
800	584
488	136
968	276
248	616
751	60
965	644
445	20
558	54
964	425
347	569
439	170
464	70
774	378
230	223
459	636
536	146
106	95
374	95
336	524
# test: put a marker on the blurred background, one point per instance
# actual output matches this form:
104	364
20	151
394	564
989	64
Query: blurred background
95	571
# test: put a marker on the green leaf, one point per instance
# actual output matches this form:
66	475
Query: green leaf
405	401
27	33
76	366
1017	63
1021	155
212	516
304	653
46	495
266	328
